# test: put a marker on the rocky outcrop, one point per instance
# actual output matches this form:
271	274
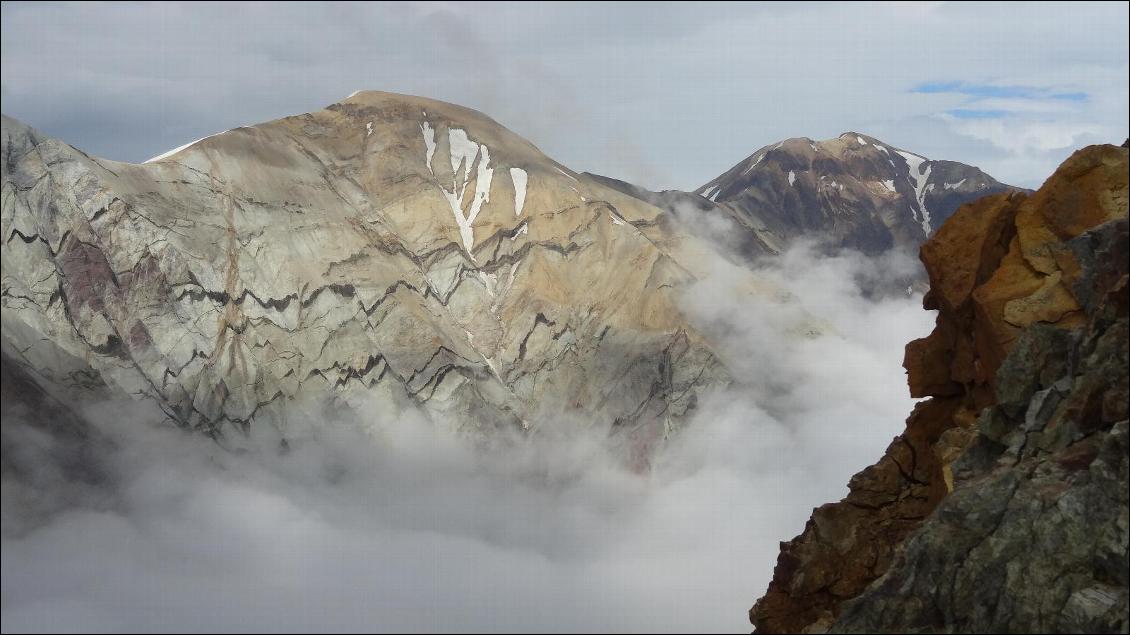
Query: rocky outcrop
384	254
1003	506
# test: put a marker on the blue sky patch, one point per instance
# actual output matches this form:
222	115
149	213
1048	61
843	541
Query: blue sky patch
988	91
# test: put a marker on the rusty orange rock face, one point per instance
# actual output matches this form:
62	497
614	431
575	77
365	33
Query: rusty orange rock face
998	265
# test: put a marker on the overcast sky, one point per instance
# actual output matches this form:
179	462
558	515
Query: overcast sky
667	96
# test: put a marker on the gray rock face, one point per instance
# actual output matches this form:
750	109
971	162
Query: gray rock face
1034	537
386	253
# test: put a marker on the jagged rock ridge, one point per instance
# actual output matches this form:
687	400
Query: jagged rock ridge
1003	506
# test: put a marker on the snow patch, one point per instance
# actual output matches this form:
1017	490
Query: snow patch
565	173
890	185
524	229
518	177
368	128
861	141
792	177
464	152
429	142
747	170
615	221
184	147
954	186
919	179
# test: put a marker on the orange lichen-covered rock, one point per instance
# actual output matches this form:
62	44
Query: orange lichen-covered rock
997	267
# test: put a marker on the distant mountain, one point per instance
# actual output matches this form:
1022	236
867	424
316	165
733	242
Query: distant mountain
853	191
857	190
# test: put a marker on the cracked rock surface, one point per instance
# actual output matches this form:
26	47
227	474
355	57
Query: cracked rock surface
1003	506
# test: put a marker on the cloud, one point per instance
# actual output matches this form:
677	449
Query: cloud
667	98
1025	137
973	113
380	524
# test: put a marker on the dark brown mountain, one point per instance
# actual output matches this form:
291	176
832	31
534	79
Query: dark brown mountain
853	191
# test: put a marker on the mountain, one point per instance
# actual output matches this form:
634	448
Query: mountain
385	254
1003	506
857	190
853	191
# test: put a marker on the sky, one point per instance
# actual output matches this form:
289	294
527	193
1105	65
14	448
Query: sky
667	96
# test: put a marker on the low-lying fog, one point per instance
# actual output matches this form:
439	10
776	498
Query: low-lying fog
407	528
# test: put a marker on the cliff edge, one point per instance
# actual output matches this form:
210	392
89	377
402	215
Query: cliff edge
1003	505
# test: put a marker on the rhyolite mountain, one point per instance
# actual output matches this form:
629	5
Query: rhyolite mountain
1004	506
852	191
383	254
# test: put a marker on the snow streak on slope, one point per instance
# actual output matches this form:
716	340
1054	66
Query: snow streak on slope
518	177
177	149
918	180
429	144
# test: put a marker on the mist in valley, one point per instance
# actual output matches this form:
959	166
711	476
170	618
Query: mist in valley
370	522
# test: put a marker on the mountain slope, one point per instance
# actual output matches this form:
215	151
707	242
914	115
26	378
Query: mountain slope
384	254
1003	505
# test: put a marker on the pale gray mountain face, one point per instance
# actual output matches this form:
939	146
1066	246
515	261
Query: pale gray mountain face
386	253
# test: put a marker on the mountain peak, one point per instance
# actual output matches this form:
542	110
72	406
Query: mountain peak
861	139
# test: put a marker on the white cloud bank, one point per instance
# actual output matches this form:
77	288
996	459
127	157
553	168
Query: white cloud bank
666	98
405	528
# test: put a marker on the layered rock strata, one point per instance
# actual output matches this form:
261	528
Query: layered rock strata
384	254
